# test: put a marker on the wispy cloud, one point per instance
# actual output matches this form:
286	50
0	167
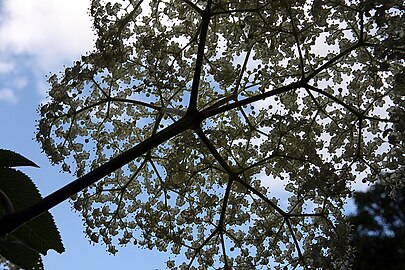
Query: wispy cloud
5	67
42	36
51	31
7	95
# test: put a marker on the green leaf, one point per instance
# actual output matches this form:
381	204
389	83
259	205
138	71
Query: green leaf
41	233
9	158
18	253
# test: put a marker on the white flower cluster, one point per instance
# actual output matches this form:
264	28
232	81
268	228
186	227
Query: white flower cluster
231	98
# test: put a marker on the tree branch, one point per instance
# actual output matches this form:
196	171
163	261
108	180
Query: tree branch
206	16
213	110
233	175
10	222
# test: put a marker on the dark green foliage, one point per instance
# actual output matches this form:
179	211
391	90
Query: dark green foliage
24	245
379	230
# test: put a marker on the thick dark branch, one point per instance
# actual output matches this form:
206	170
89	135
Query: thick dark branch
206	241
233	176
226	266
338	101
225	205
333	60
206	16
213	110
215	153
10	222
263	197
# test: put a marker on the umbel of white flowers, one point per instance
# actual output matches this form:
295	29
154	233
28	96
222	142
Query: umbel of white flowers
212	104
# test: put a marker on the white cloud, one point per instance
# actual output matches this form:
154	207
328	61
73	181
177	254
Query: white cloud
6	67
40	37
8	95
52	32
20	82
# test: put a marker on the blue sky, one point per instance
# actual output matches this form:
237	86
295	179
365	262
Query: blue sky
38	37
